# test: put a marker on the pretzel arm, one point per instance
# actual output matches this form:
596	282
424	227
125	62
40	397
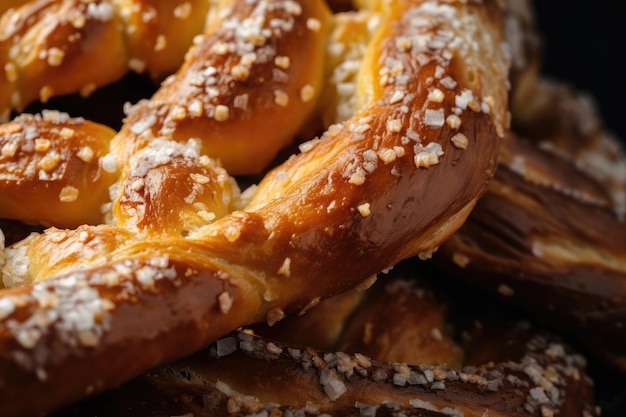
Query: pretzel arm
546	237
99	327
350	197
51	48
59	160
409	344
262	67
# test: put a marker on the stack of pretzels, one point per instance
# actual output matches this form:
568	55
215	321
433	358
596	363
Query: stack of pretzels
304	215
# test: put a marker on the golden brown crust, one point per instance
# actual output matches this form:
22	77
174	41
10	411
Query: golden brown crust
50	48
43	41
368	194
510	369
99	321
549	235
11	4
159	33
260	69
54	170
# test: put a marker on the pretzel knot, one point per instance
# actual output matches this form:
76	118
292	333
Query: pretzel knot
180	257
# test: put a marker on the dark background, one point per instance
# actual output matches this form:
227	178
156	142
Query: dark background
583	44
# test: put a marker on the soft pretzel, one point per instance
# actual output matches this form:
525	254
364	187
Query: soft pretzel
550	234
441	356
50	48
102	303
74	162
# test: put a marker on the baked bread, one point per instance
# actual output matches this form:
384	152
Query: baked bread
464	359
550	234
50	48
181	255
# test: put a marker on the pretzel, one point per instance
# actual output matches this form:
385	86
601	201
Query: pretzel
101	303
51	48
566	122
552	222
550	235
369	360
172	111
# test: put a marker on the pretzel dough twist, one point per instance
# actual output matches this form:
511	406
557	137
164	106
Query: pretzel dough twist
114	300
50	48
236	84
552	221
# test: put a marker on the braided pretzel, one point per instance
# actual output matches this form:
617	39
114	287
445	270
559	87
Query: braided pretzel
372	373
50	48
102	303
